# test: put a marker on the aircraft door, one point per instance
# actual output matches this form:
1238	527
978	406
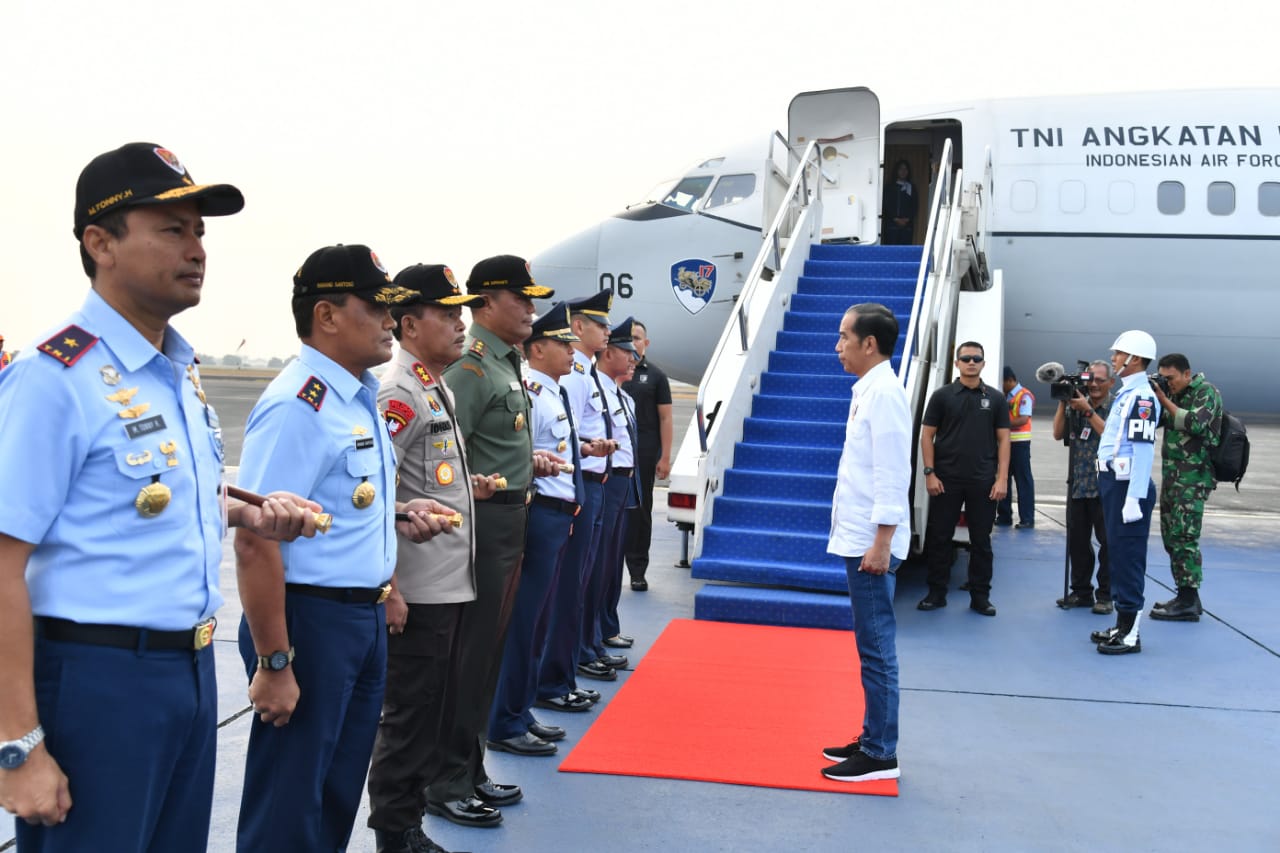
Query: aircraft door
846	124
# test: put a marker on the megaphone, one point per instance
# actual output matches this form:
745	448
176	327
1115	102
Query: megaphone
1050	372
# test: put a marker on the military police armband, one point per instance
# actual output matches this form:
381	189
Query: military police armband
1140	426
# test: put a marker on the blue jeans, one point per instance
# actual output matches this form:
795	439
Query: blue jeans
874	629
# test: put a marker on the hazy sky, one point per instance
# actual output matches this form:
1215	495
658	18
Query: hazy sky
446	133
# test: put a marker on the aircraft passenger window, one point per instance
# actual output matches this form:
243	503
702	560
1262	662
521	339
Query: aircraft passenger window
1269	198
1120	197
1222	198
730	189
687	192
1171	197
1022	196
1071	197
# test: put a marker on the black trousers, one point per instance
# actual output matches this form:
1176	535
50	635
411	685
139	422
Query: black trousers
422	681
482	636
1085	520
944	513
640	519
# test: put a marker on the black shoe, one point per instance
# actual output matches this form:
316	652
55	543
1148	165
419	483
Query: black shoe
547	733
1185	608
964	587
932	602
592	696
1103	606
1024	525
1004	522
983	606
564	703
525	744
622	641
639	586
613	661
1123	638
1103	636
1076	599
861	767
841	753
405	841
468	812
597	670
491	793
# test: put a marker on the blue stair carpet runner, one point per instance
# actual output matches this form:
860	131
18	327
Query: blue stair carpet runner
766	551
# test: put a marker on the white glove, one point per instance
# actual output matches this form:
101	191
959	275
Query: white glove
1132	510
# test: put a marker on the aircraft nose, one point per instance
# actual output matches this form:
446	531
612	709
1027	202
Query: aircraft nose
571	266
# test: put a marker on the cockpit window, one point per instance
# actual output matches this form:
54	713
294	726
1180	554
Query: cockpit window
687	192
730	189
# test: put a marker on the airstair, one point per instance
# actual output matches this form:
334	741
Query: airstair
756	472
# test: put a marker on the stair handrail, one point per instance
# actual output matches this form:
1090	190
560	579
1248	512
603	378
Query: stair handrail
939	215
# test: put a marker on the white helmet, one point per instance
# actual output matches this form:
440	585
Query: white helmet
1136	342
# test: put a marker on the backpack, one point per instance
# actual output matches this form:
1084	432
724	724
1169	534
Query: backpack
1230	458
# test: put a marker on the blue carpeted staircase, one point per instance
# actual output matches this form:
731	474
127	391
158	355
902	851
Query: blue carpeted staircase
766	549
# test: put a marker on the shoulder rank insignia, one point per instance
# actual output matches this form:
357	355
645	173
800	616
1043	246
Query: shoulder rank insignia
477	347
398	415
535	388
424	375
68	345
578	368
474	368
313	393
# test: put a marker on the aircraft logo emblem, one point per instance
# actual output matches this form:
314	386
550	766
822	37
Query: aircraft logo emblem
694	281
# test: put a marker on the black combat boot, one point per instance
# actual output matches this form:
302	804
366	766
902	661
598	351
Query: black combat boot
405	841
1185	608
1123	639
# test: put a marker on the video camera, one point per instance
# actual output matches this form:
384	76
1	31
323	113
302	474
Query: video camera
1161	381
1062	385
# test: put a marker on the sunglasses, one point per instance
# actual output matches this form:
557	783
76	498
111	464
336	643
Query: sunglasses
971	359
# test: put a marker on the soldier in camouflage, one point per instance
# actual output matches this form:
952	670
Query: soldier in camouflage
1192	420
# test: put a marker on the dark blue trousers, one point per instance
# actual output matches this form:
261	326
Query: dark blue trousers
303	781
558	671
1126	543
135	734
613	547
546	541
1019	475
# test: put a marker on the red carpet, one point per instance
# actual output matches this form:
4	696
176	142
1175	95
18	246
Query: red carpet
744	704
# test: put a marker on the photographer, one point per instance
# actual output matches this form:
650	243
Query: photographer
1081	419
1192	421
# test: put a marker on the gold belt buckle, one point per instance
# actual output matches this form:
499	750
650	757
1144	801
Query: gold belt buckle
204	633
386	593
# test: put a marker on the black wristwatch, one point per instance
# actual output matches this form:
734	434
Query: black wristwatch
276	661
927	470
13	753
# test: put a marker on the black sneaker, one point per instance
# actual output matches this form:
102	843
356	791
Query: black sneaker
1076	599
841	753
861	767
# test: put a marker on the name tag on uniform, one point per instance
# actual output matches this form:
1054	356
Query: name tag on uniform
364	443
144	427
1122	465
1085	433
515	386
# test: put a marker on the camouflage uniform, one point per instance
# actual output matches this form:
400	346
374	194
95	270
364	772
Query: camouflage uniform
1187	475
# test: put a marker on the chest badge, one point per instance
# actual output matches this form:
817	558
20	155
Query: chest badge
364	495
152	499
519	424
110	375
444	474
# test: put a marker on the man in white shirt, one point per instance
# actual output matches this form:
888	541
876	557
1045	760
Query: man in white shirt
870	529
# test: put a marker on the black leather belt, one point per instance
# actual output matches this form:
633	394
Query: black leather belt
623	472
510	496
124	636
567	507
346	595
595	476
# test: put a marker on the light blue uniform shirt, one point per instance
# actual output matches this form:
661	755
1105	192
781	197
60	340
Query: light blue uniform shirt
316	431
588	407
1128	440
72	463
551	431
624	456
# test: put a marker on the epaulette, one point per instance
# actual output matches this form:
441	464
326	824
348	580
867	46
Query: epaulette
579	368
534	387
477	348
68	345
313	393
424	375
398	415
474	368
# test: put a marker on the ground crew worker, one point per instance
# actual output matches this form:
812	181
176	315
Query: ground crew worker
314	635
1021	404
1125	453
111	537
493	419
5	358
1191	414
433	580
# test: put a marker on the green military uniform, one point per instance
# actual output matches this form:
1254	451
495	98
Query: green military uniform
1187	475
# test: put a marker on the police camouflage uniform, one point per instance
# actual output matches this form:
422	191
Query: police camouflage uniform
1186	476
492	411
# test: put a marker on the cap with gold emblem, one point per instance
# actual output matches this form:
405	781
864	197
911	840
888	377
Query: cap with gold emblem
596	306
506	272
434	284
621	336
553	325
351	269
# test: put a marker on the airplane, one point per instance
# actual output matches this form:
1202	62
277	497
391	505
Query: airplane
1156	210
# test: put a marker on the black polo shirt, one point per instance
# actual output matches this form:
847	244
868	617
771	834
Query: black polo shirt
965	447
650	389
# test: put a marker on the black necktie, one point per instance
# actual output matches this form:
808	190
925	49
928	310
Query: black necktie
579	488
608	421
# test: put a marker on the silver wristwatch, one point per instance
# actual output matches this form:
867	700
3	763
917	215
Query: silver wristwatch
13	753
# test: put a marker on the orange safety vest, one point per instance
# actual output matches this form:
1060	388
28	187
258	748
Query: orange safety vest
1015	403
5	358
